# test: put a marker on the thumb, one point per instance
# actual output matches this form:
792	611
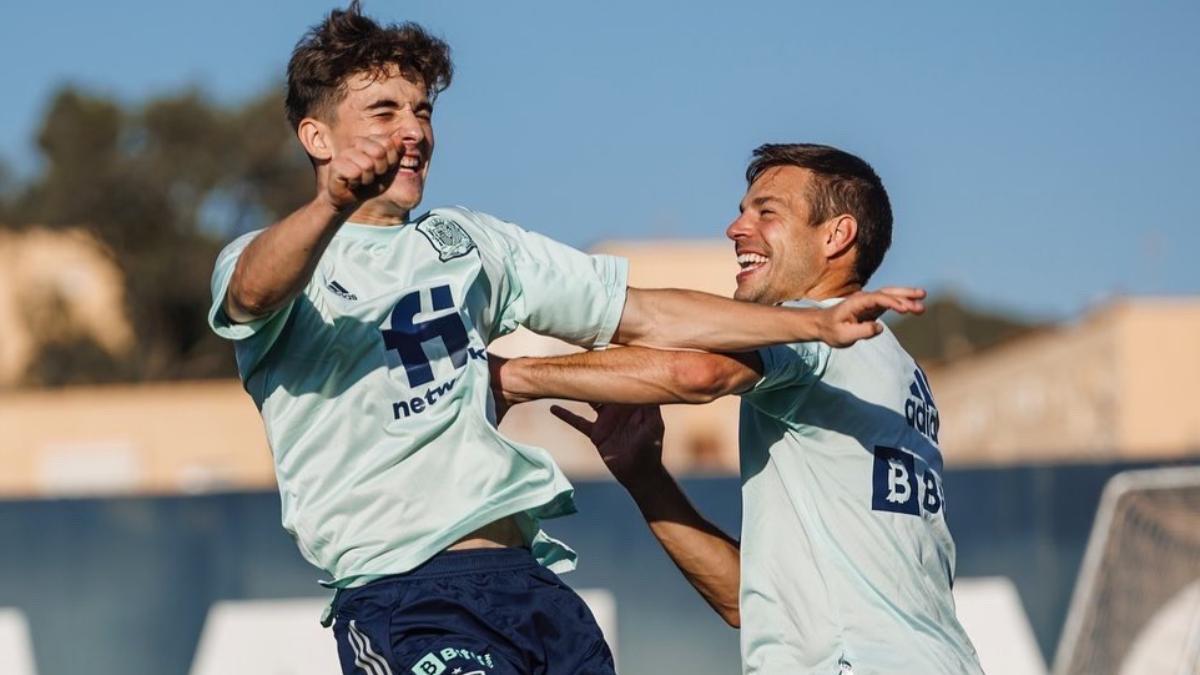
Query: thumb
580	424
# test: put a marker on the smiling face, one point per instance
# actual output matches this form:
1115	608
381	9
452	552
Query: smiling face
383	105
779	249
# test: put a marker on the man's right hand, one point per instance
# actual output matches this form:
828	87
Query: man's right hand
855	318
628	437
361	172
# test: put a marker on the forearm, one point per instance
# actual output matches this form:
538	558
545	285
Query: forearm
708	557
629	375
277	265
674	318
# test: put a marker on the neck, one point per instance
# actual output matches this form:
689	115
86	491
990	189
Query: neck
826	288
836	290
383	215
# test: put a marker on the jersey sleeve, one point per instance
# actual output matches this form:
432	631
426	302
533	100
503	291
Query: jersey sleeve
791	365
254	338
551	288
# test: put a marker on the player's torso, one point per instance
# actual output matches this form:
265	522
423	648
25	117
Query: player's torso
395	319
376	402
844	533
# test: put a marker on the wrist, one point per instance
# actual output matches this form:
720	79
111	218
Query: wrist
329	211
820	324
646	485
514	378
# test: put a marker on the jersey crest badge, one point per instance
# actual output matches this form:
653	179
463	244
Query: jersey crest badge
447	237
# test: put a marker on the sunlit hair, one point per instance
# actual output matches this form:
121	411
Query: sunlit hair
842	184
348	43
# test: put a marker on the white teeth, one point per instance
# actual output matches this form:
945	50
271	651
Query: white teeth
746	259
409	162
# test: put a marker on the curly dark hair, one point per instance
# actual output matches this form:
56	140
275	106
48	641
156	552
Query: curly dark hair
843	183
348	43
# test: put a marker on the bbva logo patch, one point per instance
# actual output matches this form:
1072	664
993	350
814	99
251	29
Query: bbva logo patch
897	488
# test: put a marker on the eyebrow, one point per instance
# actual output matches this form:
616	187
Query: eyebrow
393	104
382	103
762	201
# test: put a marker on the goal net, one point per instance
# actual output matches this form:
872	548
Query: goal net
1136	606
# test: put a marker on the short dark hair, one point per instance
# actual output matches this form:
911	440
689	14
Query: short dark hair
347	43
842	183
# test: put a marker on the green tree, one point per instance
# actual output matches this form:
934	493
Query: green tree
164	184
950	329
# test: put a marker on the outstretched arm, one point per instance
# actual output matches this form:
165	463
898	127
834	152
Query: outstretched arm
635	375
680	319
277	265
629	440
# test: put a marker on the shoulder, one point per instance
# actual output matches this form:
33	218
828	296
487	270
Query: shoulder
815	352
455	231
463	217
484	230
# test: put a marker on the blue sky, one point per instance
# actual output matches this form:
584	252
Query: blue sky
1040	156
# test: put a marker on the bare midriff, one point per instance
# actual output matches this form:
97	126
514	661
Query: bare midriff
502	533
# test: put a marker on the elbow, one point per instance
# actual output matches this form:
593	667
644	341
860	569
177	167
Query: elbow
727	609
246	304
733	617
699	378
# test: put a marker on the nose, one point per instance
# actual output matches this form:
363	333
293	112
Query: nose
740	228
410	129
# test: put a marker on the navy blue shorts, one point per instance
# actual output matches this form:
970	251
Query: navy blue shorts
476	612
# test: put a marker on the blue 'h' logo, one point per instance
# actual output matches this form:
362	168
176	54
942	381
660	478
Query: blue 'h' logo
406	337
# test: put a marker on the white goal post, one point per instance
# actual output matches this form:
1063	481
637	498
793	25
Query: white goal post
1136	605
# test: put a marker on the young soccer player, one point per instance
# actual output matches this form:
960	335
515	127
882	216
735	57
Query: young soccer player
845	562
360	333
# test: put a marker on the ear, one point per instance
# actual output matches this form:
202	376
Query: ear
316	139
841	233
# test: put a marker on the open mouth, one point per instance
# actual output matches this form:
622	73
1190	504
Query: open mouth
751	263
411	164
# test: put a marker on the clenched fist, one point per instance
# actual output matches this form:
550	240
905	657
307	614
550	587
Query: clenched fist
362	171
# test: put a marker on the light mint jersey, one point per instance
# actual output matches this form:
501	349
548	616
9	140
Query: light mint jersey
847	563
373	385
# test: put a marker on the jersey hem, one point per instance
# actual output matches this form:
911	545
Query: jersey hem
399	564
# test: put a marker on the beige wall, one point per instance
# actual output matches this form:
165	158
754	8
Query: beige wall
1159	397
180	437
1122	383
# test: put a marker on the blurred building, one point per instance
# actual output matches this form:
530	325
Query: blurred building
1118	385
57	286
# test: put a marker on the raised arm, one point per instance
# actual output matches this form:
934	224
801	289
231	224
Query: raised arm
277	265
673	318
629	440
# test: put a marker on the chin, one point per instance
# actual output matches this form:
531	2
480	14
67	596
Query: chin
404	201
757	294
745	294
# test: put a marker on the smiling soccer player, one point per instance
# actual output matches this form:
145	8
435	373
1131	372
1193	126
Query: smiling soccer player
845	563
